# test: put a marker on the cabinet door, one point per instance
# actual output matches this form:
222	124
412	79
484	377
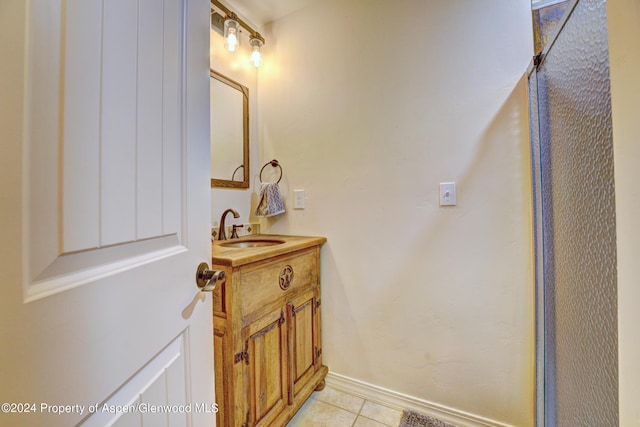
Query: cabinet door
267	359
222	367
304	341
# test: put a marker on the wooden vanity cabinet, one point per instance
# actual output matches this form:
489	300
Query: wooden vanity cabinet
267	341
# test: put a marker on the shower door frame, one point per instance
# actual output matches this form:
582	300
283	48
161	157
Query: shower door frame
536	181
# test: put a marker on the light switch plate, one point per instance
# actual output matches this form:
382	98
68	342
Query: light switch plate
298	199
448	194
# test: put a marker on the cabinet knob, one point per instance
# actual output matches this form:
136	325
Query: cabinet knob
208	279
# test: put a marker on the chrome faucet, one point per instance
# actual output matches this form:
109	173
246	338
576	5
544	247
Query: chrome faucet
222	235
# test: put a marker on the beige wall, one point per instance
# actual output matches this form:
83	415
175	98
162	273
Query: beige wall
237	67
624	53
369	105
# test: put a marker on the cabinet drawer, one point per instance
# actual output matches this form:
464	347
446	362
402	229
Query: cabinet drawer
268	284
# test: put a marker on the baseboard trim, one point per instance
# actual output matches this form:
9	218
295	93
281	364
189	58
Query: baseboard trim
402	401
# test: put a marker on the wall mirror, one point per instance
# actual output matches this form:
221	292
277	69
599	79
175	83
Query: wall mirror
229	109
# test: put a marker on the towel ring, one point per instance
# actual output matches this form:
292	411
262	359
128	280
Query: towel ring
275	164
233	175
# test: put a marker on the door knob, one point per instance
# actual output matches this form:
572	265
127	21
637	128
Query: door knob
208	279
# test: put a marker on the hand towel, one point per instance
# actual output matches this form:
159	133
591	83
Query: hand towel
270	200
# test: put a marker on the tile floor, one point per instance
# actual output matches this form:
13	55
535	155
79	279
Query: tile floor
334	408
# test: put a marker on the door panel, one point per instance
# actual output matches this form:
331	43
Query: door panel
78	129
119	158
118	130
160	385
149	120
108	168
267	341
303	340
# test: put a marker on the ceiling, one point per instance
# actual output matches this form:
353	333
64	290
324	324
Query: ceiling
260	12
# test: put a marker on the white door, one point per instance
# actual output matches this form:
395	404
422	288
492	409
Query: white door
104	197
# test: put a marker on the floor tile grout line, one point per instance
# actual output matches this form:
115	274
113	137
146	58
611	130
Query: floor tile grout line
358	414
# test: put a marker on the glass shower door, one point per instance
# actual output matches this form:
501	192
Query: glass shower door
576	235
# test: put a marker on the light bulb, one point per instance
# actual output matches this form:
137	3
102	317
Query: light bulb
232	41
231	35
256	56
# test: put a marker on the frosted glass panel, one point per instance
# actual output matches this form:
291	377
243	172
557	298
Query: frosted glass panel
581	385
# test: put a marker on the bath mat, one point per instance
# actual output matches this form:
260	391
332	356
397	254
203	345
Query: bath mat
413	419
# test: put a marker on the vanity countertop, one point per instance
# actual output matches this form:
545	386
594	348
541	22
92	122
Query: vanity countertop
234	256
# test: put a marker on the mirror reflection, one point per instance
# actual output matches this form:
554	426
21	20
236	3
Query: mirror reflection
229	109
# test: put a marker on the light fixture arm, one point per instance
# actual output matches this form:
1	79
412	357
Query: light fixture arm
232	15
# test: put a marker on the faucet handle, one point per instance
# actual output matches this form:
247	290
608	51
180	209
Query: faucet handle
234	230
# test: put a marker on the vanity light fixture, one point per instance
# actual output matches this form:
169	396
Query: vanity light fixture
230	27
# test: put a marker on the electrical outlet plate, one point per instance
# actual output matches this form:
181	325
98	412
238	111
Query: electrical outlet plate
448	194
